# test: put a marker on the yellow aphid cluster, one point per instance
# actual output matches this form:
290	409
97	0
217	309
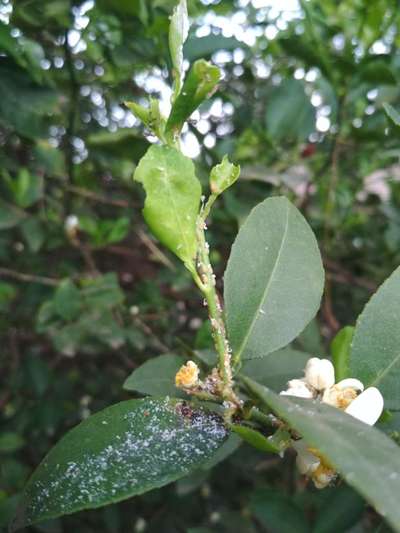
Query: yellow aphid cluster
187	376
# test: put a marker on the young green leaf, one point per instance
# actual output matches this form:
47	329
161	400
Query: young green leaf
178	32
156	376
200	83
172	199
274	279
254	438
340	349
392	113
223	176
366	458
151	116
375	350
124	450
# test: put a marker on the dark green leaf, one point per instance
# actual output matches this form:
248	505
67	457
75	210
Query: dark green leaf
102	292
340	350
10	215
196	48
27	188
67	300
278	512
310	339
10	442
377	71
277	369
172	199
290	114
7	294
392	113
367	459
124	450
375	350
33	231
343	510
122	144
274	279
156	376
231	444
23	104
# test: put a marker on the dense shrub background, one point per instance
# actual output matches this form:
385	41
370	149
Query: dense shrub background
300	108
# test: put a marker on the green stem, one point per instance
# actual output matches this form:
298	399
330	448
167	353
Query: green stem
205	280
257	416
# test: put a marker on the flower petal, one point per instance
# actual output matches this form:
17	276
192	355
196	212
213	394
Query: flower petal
367	407
350	383
320	373
298	388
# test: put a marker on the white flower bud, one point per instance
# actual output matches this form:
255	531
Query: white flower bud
367	407
319	373
298	388
71	225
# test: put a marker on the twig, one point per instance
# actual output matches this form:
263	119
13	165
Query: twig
73	99
327	310
338	272
148	331
157	253
14	363
29	278
97	197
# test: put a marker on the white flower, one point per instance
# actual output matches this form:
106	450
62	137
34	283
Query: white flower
299	388
367	407
319	373
348	395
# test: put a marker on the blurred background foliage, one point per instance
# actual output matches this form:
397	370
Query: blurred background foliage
87	295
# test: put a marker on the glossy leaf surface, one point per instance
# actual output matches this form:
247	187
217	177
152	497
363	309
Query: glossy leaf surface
156	376
340	348
375	351
172	198
199	84
274	279
367	459
124	450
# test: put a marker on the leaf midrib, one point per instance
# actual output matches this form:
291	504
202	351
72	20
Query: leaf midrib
380	376
174	209
264	295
